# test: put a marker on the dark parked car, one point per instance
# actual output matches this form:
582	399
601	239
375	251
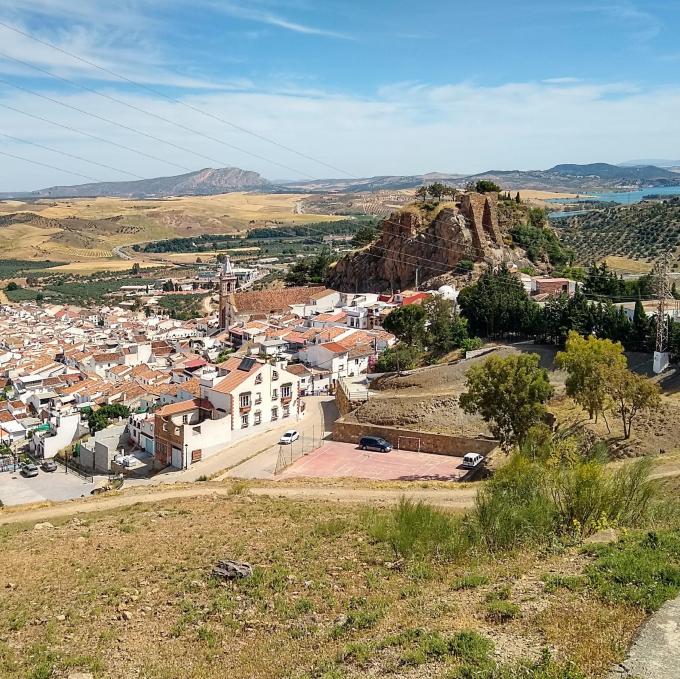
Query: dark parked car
375	443
29	470
49	466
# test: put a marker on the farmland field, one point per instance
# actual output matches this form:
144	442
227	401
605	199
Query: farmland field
86	231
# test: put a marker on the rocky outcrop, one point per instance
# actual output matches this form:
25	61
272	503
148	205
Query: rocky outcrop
410	251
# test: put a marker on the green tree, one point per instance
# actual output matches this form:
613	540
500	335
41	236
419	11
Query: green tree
11	286
408	324
641	331
437	190
631	395
421	193
589	363
365	235
399	357
487	186
446	330
136	268
99	419
498	305
509	393
518	198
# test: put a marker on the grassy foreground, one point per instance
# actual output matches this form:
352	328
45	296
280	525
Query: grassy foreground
129	593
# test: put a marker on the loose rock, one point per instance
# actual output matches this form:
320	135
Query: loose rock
232	570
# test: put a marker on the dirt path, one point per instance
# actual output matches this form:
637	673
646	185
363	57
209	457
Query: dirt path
460	499
3	298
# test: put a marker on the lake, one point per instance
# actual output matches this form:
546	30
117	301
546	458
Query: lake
621	197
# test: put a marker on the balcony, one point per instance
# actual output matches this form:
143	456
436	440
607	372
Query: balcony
245	408
286	398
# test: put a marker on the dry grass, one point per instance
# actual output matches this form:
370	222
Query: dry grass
133	586
139	221
626	265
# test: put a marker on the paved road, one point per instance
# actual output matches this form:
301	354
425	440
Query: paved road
254	457
656	651
54	486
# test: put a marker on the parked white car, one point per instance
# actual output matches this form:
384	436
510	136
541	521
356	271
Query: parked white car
289	437
471	460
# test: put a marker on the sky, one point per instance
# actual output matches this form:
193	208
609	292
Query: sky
108	90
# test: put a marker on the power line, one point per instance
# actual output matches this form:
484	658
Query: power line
95	137
70	155
113	122
153	90
51	167
169	121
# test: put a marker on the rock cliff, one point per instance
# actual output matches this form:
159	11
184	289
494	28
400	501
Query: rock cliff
412	250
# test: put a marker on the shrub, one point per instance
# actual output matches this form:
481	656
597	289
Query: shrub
469	581
502	611
513	508
471	344
415	529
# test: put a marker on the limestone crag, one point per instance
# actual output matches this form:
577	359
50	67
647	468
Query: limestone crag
409	250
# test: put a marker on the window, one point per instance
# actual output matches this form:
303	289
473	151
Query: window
275	413
258	379
286	411
286	391
275	375
258	398
275	393
244	400
244	421
258	417
185	419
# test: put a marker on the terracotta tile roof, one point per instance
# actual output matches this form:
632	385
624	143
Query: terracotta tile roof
298	369
361	351
184	406
264	301
235	377
334	347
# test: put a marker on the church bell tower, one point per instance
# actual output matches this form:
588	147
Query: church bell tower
227	289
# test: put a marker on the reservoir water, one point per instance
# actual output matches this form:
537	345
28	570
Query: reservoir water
619	197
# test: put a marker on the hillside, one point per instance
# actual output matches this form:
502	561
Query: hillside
90	229
127	591
205	182
567	178
643	231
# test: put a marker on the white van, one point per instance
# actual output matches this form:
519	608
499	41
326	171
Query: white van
471	460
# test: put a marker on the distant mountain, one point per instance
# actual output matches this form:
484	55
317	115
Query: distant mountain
204	182
579	178
659	162
379	183
569	178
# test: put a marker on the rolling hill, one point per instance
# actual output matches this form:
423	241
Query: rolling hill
205	182
642	232
570	178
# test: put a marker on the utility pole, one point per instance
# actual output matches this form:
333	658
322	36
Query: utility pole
662	290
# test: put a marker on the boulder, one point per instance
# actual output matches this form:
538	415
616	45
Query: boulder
232	570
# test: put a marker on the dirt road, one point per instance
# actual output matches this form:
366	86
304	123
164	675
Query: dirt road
456	499
459	499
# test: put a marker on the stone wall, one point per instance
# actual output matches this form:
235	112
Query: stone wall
444	444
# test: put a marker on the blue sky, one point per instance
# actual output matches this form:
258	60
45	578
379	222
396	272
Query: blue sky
363	87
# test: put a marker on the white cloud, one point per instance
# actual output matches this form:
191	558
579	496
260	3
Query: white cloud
266	17
405	128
